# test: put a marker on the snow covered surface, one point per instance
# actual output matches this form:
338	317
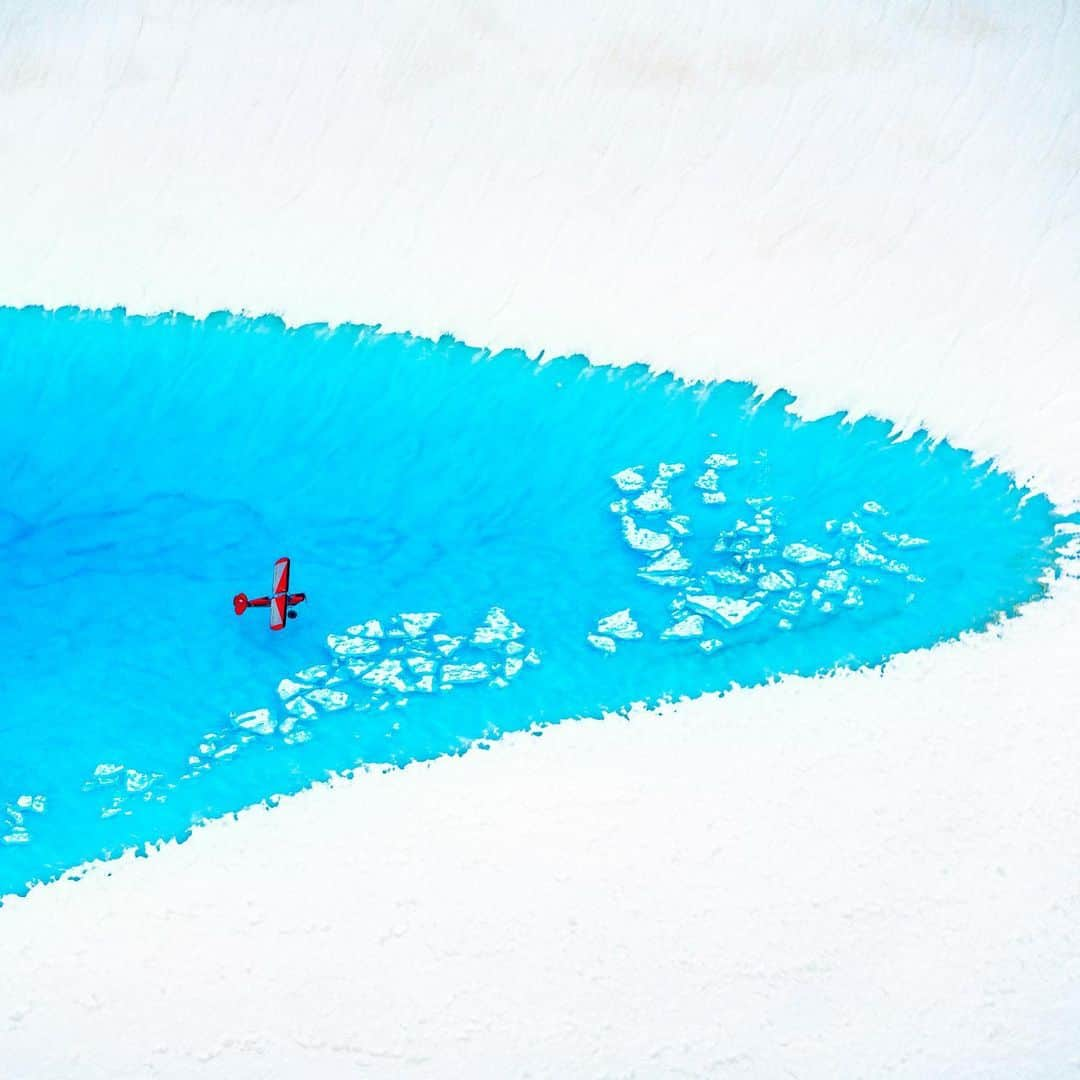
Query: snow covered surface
877	208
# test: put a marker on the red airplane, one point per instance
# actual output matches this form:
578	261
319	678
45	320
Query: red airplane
280	602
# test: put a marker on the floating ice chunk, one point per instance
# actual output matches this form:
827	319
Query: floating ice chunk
421	665
854	597
721	461
865	554
351	646
18	835
464	673
497	628
652	501
426	684
328	699
601	642
630	479
713	498
729	610
316	673
666	569
667	471
385	673
671	562
680	523
710	645
512	666
805	554
875	508
227	751
666	581
288	689
833	581
777	581
447	644
139	781
299	709
107	773
792	604
620	506
415	623
370	629
643	539
745	547
32	803
903	540
755	529
728	575
709	480
784	624
851	528
258	720
620	624
690	626
532	657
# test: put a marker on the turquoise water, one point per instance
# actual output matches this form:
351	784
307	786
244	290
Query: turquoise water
487	543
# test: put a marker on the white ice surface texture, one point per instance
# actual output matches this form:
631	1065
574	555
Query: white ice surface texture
874	206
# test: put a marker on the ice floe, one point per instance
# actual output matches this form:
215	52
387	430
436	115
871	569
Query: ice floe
805	554
630	479
690	626
621	624
731	611
375	664
16	819
752	568
641	539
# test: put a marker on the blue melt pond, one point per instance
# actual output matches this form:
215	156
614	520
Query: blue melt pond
487	543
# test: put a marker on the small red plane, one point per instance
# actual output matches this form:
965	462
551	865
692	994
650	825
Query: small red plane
280	602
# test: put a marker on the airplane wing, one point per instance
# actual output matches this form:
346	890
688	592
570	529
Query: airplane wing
278	607
279	601
281	576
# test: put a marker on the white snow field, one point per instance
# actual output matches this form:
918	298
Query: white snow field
876	206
